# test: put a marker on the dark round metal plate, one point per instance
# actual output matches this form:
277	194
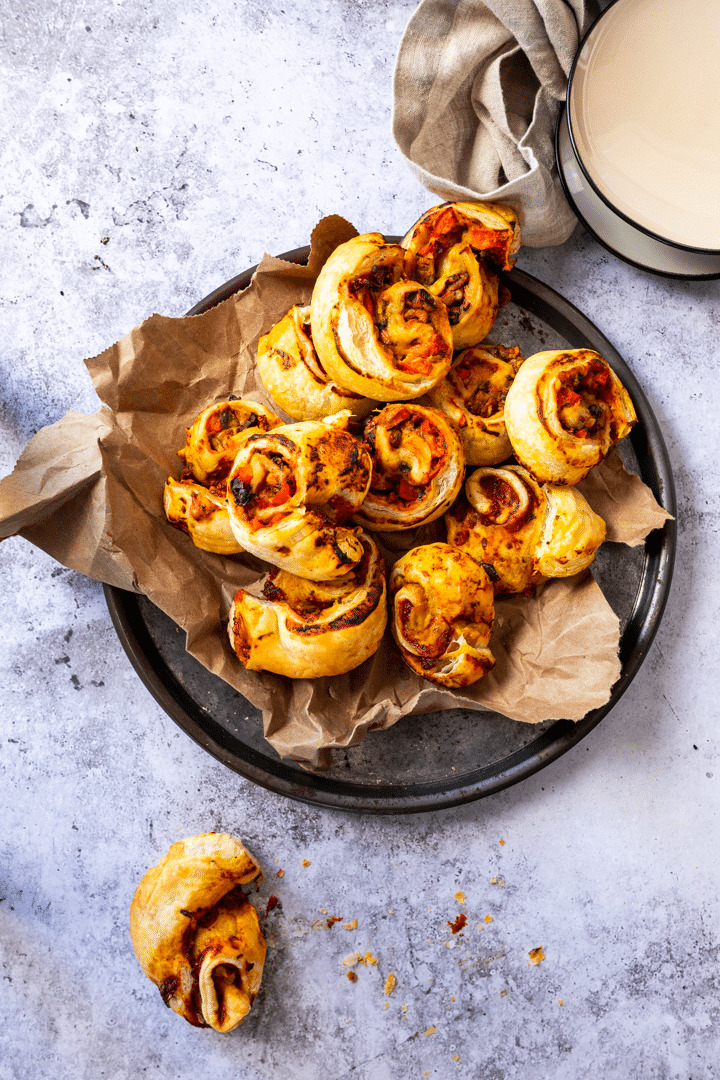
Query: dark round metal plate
441	759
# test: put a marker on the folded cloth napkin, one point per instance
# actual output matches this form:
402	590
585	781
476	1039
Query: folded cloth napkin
477	91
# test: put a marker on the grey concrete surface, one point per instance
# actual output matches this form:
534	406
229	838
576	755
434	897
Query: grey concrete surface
149	153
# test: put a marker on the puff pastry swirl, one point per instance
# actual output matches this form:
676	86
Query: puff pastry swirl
522	531
306	629
418	467
456	251
195	934
294	377
473	395
291	491
443	608
202	513
215	437
564	412
376	332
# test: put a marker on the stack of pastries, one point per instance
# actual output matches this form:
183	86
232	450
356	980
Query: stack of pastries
402	414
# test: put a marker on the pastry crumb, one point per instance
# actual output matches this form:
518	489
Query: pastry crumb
306	862
405	1008
536	955
387	1005
456	1057
280	873
460	897
502	843
432	1030
350	925
352	976
332	919
352	959
488	918
493	881
457	925
503	993
368	958
390	984
560	1001
323	911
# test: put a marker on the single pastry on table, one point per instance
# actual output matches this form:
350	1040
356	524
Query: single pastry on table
473	395
376	332
293	376
442	605
457	250
564	412
522	531
195	933
307	629
214	438
418	467
196	503
291	491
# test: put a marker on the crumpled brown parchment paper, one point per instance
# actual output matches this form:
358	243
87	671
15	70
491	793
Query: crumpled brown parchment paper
88	490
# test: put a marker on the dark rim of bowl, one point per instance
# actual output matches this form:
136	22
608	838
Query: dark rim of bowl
314	788
676	276
596	189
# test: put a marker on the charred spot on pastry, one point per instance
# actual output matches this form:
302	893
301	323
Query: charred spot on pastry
167	989
489	568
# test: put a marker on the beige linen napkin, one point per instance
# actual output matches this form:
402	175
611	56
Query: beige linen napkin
477	91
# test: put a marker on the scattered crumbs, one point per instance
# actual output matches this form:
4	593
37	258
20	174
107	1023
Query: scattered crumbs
271	904
280	873
389	984
502	843
493	881
277	861
105	240
405	1008
352	959
456	1057
323	911
426	1074
452	997
503	993
352	976
387	1004
560	1001
391	911
432	1030
306	862
350	925
502	881
368	958
457	925
536	955
488	918
332	919
460	897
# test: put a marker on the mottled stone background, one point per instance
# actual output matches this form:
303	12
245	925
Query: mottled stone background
149	153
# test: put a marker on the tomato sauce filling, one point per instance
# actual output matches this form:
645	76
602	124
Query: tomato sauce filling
265	482
414	455
582	400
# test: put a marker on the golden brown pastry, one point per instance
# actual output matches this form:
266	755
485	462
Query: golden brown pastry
376	332
196	935
473	395
294	377
564	411
202	513
456	251
418	467
521	531
306	629
292	489
442	614
215	437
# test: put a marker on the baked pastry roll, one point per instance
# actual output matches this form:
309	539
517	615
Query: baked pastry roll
292	489
522	531
418	467
195	933
473	395
202	513
214	439
442	614
375	332
456	251
306	629
564	411
294	377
